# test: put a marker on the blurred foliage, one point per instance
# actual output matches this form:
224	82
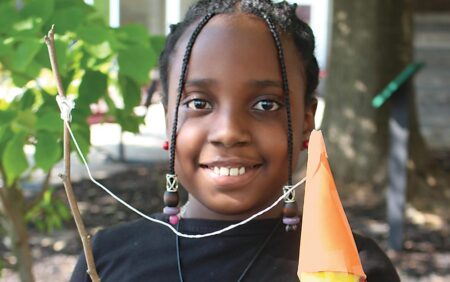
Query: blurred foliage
49	214
96	62
92	59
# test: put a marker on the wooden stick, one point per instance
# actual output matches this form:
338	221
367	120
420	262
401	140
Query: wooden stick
85	237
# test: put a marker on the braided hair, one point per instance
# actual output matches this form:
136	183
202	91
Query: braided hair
281	19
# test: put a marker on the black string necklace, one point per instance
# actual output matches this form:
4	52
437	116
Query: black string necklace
249	265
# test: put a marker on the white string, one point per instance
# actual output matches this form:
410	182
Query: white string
193	236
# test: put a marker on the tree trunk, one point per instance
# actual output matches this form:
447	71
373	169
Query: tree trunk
15	226
371	44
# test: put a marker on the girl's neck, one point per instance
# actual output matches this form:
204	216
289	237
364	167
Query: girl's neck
194	209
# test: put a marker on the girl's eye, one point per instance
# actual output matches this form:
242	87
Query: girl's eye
198	104
267	106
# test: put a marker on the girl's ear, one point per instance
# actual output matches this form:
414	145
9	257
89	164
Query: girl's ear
310	112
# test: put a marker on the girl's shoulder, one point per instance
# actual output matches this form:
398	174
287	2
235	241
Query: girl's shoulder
132	231
375	262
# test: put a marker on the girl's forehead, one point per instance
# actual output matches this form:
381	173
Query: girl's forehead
238	38
225	22
238	50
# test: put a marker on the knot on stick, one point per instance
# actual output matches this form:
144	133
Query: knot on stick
66	105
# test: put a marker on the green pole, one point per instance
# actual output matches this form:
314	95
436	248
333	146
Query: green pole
395	84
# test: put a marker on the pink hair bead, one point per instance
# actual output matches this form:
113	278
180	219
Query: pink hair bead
174	219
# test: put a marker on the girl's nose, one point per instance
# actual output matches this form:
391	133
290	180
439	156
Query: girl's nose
229	129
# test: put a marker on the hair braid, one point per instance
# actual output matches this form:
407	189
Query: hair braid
181	82
282	63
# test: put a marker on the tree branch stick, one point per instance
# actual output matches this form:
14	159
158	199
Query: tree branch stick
85	238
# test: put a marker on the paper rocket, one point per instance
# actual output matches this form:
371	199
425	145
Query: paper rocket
327	247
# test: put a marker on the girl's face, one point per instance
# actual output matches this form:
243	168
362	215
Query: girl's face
231	150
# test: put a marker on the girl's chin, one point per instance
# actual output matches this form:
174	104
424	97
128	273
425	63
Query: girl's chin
230	206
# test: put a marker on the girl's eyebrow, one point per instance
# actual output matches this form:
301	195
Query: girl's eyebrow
266	83
205	82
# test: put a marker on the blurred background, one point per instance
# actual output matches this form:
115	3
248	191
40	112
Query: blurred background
384	109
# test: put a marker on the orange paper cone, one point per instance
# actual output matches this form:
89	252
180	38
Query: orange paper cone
327	244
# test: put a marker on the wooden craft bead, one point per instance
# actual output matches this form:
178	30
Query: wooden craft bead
171	199
290	210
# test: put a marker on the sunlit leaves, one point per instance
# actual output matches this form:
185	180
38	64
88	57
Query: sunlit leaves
14	160
27	100
92	59
26	50
133	33
129	122
49	214
48	150
93	85
9	16
68	19
136	62
83	136
5	135
39	8
131	92
24	122
50	121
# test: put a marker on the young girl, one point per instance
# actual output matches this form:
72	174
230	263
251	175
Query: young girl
238	79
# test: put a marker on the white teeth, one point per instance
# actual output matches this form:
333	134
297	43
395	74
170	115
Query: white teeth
224	171
228	171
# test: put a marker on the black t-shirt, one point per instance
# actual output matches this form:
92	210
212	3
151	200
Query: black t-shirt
145	251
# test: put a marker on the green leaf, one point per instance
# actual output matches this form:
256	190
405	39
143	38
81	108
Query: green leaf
28	27
50	121
25	53
83	136
93	85
6	117
62	210
48	150
101	51
94	34
24	122
8	15
131	92
6	48
133	33
5	135
14	159
136	62
27	100
129	122
20	79
157	43
68	19
39	8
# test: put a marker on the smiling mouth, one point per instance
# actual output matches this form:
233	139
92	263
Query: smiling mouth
229	170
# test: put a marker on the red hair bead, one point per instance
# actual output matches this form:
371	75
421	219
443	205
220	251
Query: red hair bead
166	145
